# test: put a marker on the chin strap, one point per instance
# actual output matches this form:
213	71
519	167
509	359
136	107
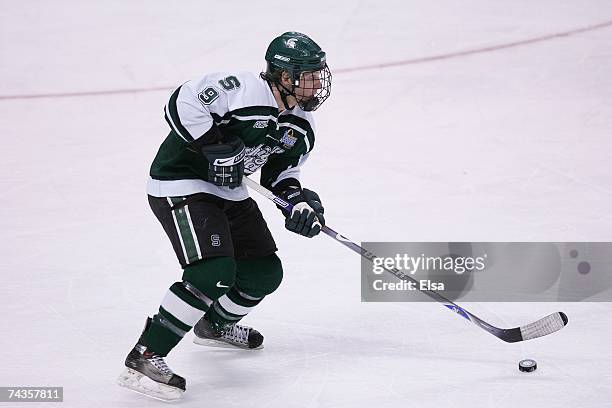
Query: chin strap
284	92
284	99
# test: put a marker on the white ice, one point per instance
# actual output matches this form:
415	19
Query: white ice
506	145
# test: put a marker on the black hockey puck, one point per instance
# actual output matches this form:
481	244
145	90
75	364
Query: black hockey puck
528	365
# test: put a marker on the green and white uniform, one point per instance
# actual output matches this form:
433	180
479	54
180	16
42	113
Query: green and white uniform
239	104
219	235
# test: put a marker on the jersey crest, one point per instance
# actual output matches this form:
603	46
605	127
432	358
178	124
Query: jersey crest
257	156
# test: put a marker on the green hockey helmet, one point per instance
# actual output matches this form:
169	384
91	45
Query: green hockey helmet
296	53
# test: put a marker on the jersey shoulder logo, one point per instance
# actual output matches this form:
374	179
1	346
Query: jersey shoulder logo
288	140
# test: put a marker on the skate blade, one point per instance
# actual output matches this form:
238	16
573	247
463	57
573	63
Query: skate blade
137	382
221	344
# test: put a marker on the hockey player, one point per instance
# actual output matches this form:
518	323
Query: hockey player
225	126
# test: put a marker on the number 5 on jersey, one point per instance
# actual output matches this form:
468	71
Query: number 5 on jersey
210	94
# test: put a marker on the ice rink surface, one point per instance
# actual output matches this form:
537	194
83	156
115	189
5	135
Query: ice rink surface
499	144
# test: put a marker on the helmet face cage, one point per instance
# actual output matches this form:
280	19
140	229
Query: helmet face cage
312	88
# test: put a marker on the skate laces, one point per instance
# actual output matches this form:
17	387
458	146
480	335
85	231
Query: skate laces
160	364
237	333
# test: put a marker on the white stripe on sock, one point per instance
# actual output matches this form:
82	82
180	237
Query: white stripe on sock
232	307
181	309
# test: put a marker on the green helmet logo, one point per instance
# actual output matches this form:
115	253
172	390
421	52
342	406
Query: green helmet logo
296	54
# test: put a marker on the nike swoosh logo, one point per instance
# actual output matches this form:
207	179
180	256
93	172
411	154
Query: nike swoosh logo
222	162
219	285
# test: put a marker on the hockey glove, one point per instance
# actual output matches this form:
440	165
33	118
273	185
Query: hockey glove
225	161
306	217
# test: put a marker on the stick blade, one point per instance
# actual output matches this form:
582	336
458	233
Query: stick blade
544	326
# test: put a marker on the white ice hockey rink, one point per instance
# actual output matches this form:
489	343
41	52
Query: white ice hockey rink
448	121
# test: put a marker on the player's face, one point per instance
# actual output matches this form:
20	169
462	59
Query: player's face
310	83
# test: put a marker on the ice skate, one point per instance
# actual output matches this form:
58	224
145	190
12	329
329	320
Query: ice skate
228	336
147	373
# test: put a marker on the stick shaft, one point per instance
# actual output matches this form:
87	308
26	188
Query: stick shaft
507	335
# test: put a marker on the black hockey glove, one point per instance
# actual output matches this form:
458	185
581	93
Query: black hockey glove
225	161
306	218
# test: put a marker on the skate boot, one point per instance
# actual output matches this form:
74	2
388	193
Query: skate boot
147	373
230	335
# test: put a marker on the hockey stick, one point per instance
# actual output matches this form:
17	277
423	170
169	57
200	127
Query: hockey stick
539	328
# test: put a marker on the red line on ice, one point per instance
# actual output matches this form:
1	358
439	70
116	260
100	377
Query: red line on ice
477	50
340	70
